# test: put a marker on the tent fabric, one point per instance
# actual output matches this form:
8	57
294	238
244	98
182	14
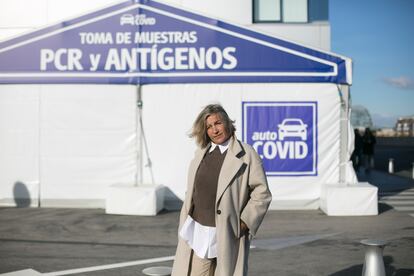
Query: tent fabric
171	149
149	42
19	144
71	142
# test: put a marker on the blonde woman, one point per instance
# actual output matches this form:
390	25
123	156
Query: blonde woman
226	200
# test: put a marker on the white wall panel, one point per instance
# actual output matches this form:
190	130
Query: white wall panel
21	13
7	33
315	35
58	10
237	11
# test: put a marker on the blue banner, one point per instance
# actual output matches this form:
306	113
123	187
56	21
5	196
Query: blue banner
284	134
142	42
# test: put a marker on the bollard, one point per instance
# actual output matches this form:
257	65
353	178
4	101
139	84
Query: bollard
374	263
391	166
157	271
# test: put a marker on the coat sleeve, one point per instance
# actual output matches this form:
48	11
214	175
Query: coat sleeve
260	196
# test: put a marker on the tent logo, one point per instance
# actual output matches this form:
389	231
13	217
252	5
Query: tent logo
292	127
284	136
137	20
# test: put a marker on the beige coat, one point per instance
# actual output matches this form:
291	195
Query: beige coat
242	193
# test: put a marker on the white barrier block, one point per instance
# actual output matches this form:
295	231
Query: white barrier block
143	200
349	200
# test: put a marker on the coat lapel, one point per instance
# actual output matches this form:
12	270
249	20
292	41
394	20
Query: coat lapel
230	167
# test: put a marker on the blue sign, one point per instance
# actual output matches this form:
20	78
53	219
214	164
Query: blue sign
143	42
284	134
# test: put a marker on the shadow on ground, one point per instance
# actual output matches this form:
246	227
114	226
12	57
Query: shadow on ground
382	208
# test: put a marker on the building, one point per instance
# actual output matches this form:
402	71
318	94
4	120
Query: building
302	21
385	132
404	127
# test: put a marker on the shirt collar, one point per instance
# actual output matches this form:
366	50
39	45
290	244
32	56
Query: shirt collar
222	147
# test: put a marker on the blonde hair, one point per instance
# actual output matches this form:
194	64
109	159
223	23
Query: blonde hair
199	130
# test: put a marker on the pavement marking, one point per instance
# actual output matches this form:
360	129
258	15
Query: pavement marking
394	194
110	266
412	215
402	201
407	197
404	208
269	244
25	272
397	194
398	202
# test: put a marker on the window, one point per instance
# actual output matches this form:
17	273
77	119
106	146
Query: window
287	11
267	11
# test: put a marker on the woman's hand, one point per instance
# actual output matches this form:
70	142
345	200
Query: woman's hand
244	230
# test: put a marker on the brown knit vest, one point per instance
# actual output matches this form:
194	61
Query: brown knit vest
205	188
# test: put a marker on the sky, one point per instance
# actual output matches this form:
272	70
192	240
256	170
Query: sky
378	35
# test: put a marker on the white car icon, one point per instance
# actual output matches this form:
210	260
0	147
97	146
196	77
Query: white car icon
127	19
292	127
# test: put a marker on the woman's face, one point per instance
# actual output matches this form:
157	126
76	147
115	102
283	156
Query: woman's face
216	130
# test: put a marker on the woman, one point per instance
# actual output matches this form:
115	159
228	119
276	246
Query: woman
226	200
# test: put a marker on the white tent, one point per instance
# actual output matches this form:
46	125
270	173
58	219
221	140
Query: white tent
66	141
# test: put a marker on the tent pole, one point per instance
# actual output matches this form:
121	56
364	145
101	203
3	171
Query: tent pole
139	173
39	160
344	135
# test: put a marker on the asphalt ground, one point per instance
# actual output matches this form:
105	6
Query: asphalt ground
400	149
56	241
403	157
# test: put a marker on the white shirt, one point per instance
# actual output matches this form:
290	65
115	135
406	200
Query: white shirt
223	147
202	239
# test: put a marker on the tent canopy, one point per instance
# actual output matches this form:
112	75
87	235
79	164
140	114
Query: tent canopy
144	42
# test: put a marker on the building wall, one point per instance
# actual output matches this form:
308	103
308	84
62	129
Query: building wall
316	33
